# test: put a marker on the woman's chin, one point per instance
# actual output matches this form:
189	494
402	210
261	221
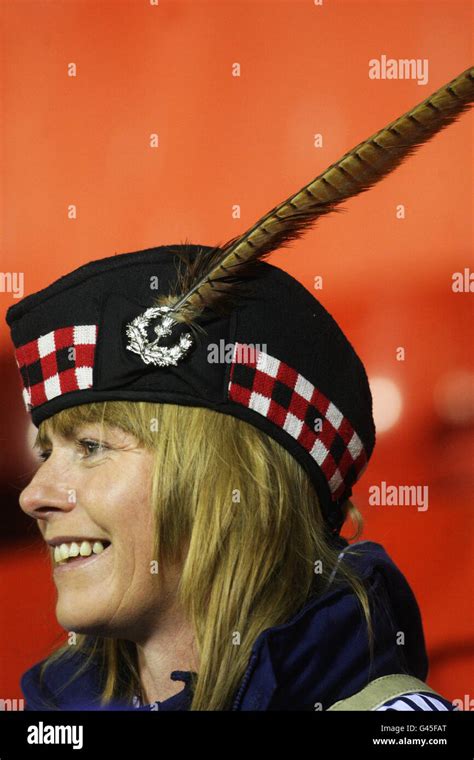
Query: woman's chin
76	618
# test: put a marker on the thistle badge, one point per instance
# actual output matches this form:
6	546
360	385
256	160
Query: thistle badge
152	352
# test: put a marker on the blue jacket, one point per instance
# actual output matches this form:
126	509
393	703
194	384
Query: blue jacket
316	658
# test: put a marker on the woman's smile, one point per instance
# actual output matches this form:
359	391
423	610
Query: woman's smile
80	560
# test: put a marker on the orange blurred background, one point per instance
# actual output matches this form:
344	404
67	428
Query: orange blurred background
248	141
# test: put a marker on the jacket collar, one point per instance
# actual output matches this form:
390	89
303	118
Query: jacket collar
322	653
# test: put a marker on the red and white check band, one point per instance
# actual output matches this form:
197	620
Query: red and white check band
58	362
278	392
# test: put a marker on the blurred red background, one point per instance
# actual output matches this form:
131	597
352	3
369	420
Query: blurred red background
249	141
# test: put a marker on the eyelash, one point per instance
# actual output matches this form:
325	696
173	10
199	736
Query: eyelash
81	444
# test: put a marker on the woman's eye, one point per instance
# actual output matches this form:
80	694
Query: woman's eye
91	448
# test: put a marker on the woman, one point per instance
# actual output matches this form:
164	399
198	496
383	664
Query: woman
197	540
196	479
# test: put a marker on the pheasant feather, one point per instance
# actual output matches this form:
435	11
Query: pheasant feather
212	279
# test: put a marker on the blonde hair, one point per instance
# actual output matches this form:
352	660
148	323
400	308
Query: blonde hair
250	519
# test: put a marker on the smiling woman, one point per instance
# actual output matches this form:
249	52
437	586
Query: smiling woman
208	569
159	489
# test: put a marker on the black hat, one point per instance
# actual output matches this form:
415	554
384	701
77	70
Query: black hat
231	332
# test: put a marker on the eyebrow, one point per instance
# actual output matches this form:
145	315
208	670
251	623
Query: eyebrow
42	438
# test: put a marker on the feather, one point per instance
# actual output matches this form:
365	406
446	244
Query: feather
213	279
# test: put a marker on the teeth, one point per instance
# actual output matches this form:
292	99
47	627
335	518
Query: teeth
86	549
63	552
73	549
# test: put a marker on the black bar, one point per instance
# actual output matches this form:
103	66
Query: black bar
317	735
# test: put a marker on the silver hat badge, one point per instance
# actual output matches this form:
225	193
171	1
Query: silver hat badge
152	353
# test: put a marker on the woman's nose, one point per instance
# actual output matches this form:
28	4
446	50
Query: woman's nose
46	494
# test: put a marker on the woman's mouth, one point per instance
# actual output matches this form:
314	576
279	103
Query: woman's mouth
80	554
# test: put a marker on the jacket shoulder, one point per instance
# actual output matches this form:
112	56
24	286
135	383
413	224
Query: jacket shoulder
57	686
35	690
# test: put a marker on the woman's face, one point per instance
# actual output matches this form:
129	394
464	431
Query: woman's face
88	489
